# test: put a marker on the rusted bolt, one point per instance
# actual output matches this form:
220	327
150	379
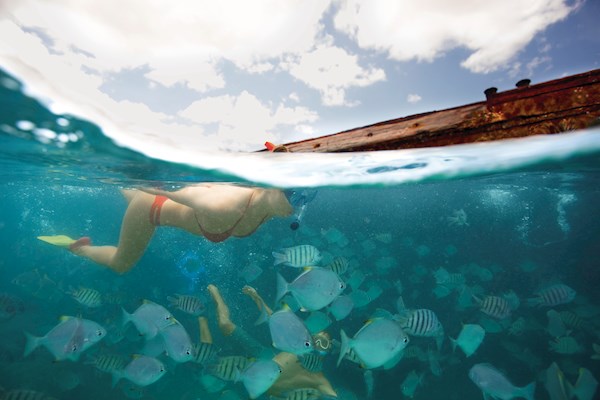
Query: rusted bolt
370	134
489	92
523	83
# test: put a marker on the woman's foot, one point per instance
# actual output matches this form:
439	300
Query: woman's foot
225	325
76	245
260	303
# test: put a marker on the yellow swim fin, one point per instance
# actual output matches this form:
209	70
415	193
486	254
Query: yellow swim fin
57	240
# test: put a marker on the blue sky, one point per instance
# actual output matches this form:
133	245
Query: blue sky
231	74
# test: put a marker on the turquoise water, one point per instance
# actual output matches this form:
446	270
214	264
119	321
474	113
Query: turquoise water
519	224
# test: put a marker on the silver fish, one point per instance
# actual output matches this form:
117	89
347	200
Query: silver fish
149	318
469	339
259	376
494	384
178	344
377	342
411	383
314	289
67	340
341	307
288	332
142	371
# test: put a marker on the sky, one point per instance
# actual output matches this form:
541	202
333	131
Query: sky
230	75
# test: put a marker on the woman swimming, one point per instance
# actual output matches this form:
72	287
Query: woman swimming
215	211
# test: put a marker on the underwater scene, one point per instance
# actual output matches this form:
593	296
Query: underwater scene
475	280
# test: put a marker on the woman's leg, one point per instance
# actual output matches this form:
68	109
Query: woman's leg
136	232
260	303
245	343
225	325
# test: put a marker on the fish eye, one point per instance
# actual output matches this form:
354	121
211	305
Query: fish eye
405	339
307	344
99	333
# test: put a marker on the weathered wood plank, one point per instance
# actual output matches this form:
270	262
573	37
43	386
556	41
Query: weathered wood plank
555	106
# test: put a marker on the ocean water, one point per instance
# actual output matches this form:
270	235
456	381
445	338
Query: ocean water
505	220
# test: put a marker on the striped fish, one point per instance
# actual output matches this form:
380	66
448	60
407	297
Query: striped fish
25	394
203	352
226	368
553	296
339	265
298	256
86	296
494	306
311	362
565	345
188	304
301	394
571	319
108	363
420	322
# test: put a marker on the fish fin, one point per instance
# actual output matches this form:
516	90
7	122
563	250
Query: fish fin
344	348
32	342
586	385
126	317
528	391
263	317
282	287
453	341
116	377
172	300
280	258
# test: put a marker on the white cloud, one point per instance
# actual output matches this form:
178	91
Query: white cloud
413	98
294	97
331	70
181	41
243	121
495	31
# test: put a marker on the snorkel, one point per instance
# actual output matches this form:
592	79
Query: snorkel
299	199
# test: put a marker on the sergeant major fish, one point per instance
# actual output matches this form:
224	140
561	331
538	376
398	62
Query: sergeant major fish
494	306
188	304
86	296
420	322
298	256
553	296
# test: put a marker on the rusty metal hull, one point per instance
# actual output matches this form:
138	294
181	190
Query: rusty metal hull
551	107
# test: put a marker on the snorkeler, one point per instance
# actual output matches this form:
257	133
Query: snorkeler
293	375
215	211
